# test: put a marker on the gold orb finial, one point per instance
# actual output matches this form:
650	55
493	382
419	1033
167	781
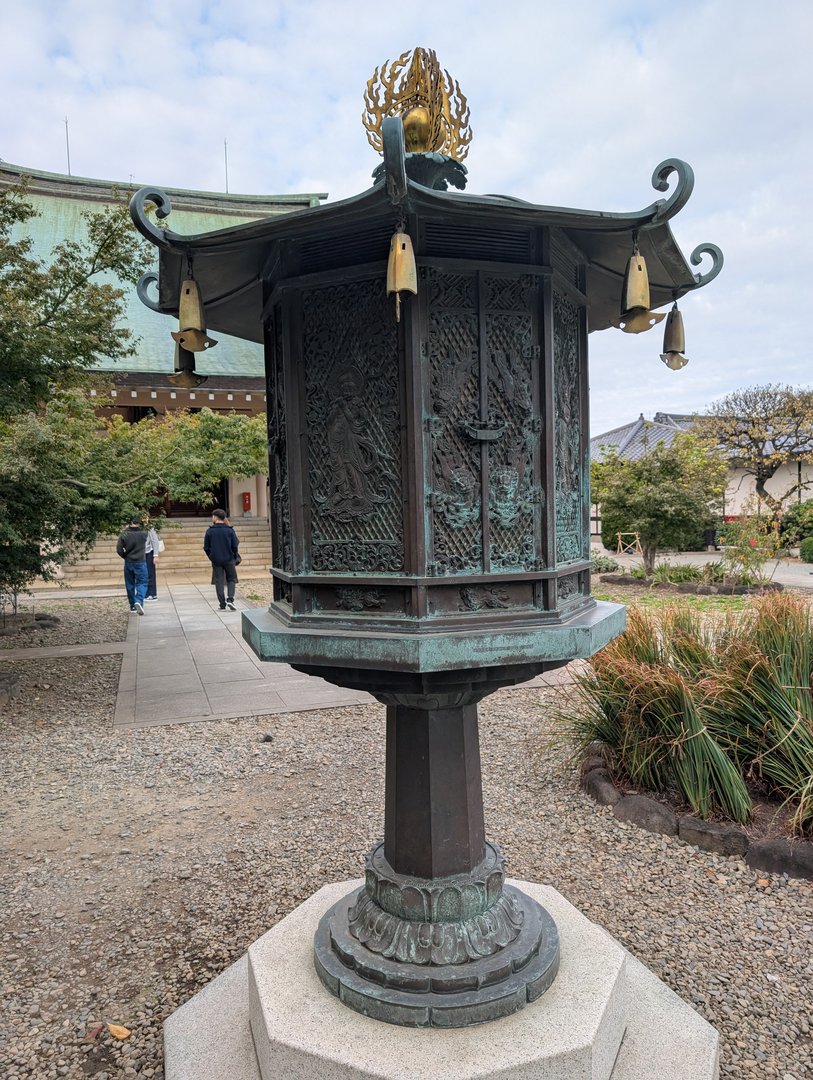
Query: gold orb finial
432	105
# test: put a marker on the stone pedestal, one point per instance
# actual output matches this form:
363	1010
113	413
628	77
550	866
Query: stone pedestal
606	1017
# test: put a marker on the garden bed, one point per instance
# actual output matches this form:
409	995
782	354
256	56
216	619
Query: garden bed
696	588
765	843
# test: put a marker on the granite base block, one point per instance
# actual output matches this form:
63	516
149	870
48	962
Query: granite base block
606	1017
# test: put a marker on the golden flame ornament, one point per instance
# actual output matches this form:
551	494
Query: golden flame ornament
430	102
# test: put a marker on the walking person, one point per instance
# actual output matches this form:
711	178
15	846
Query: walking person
153	550
132	547
220	544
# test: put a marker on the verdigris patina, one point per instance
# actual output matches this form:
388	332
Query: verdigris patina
429	486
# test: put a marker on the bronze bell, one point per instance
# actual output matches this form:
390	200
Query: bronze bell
674	341
402	274
185	374
635	314
192	333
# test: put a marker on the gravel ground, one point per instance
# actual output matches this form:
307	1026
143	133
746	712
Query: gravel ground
82	622
138	865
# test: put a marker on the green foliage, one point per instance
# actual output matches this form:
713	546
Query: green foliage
656	599
797	522
696	706
806	549
58	317
747	544
603	564
674	573
667	496
67	475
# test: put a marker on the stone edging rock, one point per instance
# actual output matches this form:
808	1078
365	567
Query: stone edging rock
777	856
695	587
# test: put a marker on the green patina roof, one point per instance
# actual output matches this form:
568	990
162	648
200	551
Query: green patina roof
61	200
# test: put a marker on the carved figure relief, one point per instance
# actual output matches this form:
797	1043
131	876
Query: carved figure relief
512	363
457	498
357	479
478	597
568	587
358	599
352	417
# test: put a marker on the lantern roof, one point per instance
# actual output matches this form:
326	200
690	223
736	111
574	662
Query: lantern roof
230	264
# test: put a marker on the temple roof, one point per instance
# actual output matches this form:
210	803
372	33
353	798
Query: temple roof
635	440
229	263
60	201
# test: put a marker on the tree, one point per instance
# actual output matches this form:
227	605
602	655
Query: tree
667	496
66	474
760	430
61	316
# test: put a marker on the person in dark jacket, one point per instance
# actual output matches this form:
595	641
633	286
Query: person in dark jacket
132	547
220	544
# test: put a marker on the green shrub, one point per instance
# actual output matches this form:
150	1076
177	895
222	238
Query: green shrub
667	572
603	564
806	549
694	706
714	573
748	543
797	523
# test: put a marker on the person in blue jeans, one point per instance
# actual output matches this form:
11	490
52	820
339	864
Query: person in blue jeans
132	547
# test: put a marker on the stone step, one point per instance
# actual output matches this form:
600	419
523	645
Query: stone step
183	551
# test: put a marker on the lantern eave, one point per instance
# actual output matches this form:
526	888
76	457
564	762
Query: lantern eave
578	637
231	264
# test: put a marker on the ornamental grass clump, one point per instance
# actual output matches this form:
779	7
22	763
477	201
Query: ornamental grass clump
704	708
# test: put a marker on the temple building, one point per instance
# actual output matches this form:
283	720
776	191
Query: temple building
140	384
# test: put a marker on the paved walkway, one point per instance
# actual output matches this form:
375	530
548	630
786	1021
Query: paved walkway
186	661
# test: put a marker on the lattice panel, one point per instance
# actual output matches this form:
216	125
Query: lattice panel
570	538
503	293
455	494
278	455
511	458
352	399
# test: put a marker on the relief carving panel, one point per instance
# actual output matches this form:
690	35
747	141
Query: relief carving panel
352	407
278	454
571	541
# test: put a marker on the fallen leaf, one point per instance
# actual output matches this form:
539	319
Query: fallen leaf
119	1032
94	1032
763	882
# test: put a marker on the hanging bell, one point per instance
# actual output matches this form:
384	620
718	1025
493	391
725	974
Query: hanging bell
192	333
635	314
674	341
185	374
402	275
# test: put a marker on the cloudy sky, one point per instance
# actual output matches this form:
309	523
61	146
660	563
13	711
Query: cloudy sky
573	103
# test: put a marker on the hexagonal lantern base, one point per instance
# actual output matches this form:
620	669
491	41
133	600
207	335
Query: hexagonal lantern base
606	1017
